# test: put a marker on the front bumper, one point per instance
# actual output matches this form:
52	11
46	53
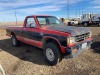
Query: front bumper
80	47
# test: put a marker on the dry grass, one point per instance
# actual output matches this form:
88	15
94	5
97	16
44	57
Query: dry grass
29	60
6	24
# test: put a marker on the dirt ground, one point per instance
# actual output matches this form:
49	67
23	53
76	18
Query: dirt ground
29	60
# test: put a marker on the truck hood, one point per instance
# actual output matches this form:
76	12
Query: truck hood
70	29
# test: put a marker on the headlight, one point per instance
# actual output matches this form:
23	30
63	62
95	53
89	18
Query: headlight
70	40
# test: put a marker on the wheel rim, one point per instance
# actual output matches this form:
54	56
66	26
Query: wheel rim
14	41
49	54
85	24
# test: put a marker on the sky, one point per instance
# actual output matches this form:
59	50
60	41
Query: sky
58	8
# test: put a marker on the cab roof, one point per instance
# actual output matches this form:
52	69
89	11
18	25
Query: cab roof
39	15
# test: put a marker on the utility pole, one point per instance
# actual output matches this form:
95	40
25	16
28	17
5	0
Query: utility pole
82	11
16	16
79	12
76	12
68	9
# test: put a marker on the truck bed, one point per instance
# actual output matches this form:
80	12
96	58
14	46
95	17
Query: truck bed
12	29
15	28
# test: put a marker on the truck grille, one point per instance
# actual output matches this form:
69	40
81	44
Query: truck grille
82	37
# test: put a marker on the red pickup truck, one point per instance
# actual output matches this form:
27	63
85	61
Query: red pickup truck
48	33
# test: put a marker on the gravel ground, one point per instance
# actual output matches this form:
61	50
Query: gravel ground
29	60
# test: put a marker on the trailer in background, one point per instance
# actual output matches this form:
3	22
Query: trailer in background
70	22
90	19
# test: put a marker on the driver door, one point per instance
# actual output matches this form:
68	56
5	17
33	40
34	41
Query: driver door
30	31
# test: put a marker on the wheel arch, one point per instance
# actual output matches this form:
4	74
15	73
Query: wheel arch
48	39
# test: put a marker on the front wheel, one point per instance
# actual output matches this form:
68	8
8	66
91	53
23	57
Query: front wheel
52	54
73	24
14	41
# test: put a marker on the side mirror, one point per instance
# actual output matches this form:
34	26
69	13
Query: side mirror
33	25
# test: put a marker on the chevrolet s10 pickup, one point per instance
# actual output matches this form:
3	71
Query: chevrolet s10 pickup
56	39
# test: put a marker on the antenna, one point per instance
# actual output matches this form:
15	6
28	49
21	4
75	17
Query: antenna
16	16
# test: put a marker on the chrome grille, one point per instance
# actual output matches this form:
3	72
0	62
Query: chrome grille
82	37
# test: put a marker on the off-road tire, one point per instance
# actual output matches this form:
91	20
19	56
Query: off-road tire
14	41
56	52
85	24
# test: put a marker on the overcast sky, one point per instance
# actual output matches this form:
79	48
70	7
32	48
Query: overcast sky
50	7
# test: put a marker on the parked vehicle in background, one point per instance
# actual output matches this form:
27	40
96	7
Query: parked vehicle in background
64	21
90	19
73	22
50	34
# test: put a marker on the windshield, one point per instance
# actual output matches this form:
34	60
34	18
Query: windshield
48	21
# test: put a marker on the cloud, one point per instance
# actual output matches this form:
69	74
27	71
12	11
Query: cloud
96	7
22	3
35	10
18	4
40	9
95	2
21	13
29	7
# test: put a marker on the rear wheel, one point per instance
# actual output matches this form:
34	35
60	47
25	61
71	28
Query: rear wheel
98	24
14	40
85	24
52	54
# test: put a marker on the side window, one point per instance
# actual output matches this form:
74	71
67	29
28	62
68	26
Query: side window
31	23
42	21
